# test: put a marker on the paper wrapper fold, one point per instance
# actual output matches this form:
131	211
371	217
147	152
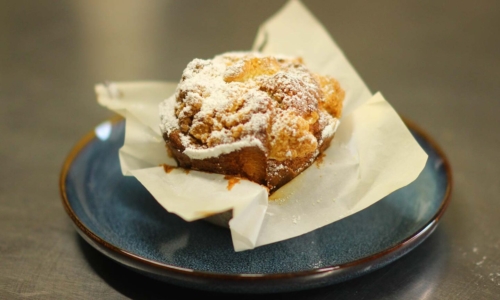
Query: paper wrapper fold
372	154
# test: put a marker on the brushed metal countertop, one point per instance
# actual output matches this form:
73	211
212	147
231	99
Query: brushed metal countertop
437	63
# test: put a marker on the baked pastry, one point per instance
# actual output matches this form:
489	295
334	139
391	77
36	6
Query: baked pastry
260	117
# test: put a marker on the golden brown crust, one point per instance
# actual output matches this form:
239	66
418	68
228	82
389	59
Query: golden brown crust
248	162
333	95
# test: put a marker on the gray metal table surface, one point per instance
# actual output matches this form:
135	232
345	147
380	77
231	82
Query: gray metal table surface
437	62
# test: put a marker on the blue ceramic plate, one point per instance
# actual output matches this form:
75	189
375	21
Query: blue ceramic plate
118	216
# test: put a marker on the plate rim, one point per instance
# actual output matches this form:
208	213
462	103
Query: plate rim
115	252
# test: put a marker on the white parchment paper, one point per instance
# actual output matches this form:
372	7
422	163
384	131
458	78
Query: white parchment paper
372	153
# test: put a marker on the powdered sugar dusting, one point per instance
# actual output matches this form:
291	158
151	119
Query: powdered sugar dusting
330	129
168	121
242	99
222	149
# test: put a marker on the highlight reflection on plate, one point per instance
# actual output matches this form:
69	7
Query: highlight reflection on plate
117	216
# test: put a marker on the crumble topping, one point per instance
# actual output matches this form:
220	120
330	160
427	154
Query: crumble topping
240	99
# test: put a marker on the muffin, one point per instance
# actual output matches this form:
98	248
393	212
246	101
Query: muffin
265	118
